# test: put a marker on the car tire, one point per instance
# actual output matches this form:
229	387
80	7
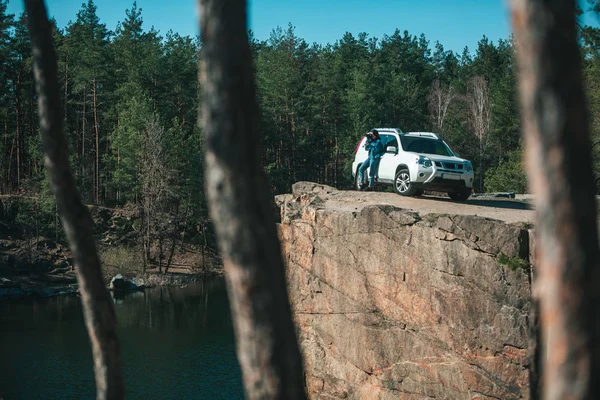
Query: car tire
460	195
402	183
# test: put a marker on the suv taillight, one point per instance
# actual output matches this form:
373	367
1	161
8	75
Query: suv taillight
358	146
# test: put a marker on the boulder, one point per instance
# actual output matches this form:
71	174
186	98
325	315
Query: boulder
121	284
6	283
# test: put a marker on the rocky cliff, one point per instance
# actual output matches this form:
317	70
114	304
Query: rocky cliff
396	303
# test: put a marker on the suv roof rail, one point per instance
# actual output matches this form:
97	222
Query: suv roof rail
396	130
422	134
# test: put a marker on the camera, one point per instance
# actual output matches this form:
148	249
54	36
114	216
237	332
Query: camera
369	135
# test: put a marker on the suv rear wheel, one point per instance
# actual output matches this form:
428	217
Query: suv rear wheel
402	183
461	195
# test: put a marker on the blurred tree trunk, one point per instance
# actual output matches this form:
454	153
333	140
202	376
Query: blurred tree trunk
240	207
97	304
560	171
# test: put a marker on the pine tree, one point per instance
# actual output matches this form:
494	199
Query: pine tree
6	111
6	23
22	95
281	76
316	102
89	54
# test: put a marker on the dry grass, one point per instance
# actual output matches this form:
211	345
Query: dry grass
121	260
128	262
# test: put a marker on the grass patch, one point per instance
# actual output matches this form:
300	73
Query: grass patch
524	225
513	263
389	384
431	218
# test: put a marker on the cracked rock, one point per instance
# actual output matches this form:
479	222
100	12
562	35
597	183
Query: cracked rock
407	306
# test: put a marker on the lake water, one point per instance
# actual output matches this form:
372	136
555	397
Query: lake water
176	343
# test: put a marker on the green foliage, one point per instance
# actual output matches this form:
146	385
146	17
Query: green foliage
126	143
526	225
508	176
514	263
37	216
316	101
591	72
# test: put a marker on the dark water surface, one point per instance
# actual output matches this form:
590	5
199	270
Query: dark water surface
176	343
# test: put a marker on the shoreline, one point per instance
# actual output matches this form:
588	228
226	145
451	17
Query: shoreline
23	287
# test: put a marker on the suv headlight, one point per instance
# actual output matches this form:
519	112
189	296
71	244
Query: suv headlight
424	161
468	166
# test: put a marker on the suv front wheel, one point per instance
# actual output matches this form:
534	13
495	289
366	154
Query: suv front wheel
402	184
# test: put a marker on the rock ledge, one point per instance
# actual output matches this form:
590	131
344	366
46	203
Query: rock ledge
392	303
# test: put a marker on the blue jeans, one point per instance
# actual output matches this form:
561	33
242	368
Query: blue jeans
373	163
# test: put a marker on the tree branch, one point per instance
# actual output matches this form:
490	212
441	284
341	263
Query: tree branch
97	305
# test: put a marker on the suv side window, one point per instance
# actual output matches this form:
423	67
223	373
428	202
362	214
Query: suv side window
389	140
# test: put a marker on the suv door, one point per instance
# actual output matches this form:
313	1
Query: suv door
389	161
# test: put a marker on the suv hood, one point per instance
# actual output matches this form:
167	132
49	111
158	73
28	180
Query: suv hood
444	158
435	157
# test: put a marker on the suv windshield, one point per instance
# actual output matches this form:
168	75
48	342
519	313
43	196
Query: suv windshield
425	146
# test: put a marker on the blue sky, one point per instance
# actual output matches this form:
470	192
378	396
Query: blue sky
455	24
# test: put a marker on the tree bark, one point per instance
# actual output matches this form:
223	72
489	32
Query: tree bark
19	118
10	163
173	236
97	132
28	157
6	151
97	304
171	253
560	171
239	199
83	137
66	87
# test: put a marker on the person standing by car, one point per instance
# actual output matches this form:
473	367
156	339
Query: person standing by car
375	148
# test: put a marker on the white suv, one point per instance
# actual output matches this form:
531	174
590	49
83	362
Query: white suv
418	161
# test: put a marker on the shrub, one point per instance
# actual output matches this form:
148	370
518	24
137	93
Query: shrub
513	263
509	176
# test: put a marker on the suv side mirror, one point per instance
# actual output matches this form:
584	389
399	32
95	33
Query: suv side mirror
391	149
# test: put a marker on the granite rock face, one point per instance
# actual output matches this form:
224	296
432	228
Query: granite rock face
392	304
